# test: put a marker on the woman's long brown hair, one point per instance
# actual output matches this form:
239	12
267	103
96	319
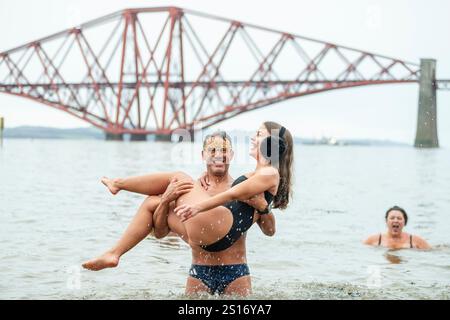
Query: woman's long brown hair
285	168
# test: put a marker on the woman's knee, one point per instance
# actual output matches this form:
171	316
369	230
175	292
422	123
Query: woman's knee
182	176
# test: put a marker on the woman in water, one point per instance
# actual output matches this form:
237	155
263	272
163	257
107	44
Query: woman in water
394	238
214	224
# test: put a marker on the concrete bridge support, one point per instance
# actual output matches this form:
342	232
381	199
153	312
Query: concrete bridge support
185	135
426	134
163	137
138	137
113	137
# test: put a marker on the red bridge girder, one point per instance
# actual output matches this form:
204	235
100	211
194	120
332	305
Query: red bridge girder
154	70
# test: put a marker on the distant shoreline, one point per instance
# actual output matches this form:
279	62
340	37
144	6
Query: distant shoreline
30	132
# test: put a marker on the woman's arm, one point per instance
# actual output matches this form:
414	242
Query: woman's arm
372	240
421	243
258	202
253	186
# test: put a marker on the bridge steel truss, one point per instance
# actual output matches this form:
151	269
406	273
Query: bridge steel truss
155	70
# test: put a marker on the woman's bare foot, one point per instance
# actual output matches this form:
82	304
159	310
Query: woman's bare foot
107	260
110	184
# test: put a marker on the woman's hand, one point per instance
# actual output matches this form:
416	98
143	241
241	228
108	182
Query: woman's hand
258	202
186	211
204	181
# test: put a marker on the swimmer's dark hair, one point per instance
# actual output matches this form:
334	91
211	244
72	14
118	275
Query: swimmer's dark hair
397	208
285	146
219	133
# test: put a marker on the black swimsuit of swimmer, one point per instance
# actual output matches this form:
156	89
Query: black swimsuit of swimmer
242	220
217	278
410	241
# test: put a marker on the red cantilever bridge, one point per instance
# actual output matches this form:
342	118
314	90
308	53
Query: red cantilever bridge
154	70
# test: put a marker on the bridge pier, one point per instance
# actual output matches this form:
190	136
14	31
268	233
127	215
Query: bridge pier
183	136
426	134
163	137
138	137
2	126
114	136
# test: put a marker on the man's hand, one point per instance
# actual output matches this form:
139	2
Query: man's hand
258	202
176	189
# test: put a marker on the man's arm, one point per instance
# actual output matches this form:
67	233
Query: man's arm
174	190
266	223
160	224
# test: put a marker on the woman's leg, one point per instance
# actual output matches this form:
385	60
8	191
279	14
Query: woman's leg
139	228
150	185
208	227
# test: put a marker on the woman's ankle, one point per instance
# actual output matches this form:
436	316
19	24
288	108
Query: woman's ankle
118	184
115	252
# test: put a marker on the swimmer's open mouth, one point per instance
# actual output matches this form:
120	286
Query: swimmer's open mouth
219	162
396	227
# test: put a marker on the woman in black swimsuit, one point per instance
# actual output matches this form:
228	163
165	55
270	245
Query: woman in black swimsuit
396	219
271	152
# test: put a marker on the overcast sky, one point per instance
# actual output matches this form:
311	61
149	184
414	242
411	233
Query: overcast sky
407	29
